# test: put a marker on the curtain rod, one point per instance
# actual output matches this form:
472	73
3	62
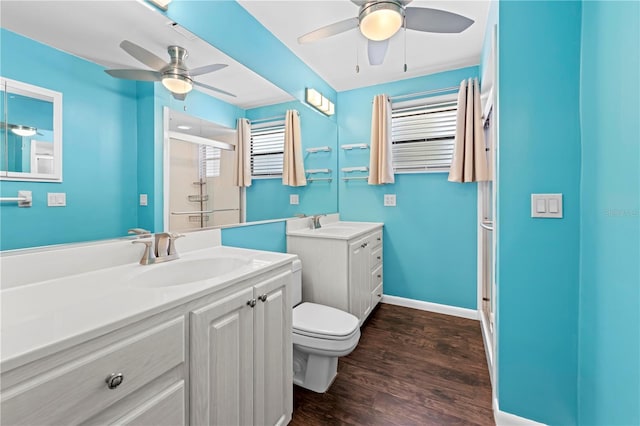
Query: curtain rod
274	118
419	94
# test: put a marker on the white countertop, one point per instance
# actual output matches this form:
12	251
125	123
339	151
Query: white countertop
44	317
340	230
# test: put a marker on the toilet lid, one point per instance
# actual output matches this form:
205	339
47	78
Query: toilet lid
320	320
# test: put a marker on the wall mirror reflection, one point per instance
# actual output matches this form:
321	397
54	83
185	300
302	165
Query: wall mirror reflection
31	132
199	189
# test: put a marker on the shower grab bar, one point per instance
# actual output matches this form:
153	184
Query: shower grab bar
204	211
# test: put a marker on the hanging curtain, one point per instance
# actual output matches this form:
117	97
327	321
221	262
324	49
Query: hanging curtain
469	162
293	166
381	157
242	167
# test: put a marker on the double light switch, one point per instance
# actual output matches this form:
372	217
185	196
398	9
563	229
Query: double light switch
546	205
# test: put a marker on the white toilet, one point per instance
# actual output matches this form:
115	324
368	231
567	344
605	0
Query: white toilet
321	334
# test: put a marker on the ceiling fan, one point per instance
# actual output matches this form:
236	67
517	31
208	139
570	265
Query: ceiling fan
174	75
379	20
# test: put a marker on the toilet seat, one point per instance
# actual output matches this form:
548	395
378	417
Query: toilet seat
323	322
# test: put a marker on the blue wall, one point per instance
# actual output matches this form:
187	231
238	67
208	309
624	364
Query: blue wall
264	236
609	366
99	144
539	130
269	199
430	237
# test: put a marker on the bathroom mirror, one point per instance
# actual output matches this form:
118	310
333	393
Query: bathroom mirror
31	138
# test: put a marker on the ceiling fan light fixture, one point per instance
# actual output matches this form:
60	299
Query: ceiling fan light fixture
177	83
380	21
23	131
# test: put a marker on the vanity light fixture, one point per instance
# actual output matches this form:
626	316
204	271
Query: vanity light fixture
22	130
381	20
162	4
319	102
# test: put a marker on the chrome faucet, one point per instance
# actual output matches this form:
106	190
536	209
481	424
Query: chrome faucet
315	221
162	251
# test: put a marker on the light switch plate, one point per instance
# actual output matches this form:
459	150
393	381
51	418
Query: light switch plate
56	199
546	206
294	199
390	200
144	199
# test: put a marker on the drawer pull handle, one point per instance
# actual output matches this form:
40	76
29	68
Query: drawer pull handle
251	302
263	297
114	380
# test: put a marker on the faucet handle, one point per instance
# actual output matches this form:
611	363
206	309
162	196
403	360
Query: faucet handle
147	256
172	246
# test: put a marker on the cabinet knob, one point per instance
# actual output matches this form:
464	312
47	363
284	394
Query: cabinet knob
114	380
379	257
379	276
379	239
379	295
263	297
252	302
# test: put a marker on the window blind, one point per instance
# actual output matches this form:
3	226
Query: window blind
423	136
267	150
209	161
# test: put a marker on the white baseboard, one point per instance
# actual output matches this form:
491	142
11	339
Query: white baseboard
431	307
503	418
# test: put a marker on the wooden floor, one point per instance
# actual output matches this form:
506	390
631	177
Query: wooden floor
410	368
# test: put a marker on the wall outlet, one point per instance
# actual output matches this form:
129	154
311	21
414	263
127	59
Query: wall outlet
56	199
294	199
143	199
390	200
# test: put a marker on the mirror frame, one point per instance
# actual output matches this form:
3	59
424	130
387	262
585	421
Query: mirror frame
24	89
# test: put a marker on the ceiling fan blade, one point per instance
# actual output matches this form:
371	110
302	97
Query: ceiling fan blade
142	75
435	21
179	96
377	51
206	69
143	55
329	30
215	89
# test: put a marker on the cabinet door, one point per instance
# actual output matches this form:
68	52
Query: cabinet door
273	394
222	362
359	275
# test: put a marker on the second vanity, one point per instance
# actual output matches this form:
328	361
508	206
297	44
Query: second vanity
205	339
341	262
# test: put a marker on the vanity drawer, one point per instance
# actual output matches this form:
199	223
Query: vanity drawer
73	392
376	296
376	257
376	240
376	277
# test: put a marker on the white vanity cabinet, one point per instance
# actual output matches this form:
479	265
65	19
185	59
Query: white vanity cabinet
241	357
221	358
340	271
132	376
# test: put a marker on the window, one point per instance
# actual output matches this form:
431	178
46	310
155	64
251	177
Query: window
267	149
423	135
209	161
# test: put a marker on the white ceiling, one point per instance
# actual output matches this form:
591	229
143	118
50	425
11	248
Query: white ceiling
94	29
334	58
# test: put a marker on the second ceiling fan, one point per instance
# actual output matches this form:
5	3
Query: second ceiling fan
379	20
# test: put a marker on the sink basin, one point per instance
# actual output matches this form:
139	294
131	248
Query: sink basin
180	272
336	229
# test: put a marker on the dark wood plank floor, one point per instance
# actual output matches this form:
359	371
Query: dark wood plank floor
410	368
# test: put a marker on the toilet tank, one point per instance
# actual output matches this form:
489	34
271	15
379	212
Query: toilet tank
296	269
